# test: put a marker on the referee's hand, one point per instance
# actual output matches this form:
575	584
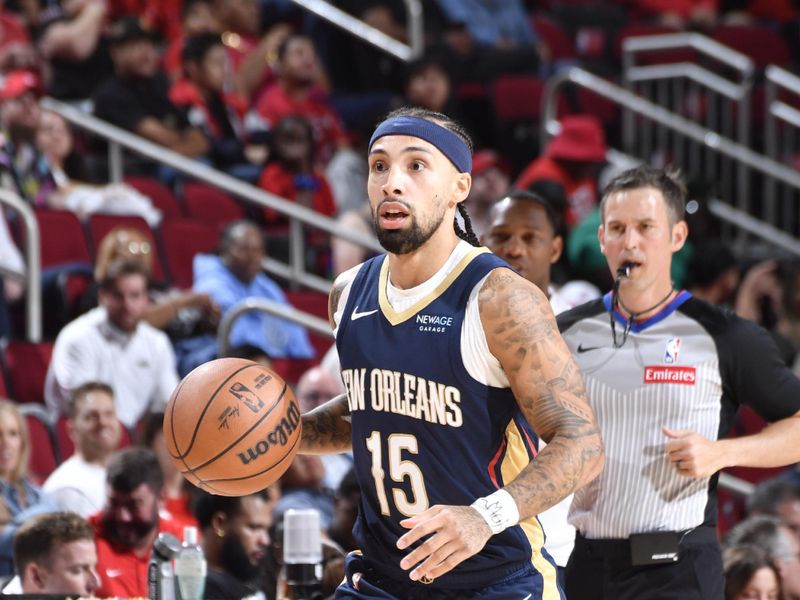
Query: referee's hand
458	532
691	454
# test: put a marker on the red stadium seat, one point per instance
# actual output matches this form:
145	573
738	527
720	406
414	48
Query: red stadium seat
182	240
763	45
554	37
161	196
291	369
61	238
43	458
208	204
27	364
517	97
100	225
4	389
316	304
599	106
72	287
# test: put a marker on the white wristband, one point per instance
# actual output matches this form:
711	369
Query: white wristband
498	509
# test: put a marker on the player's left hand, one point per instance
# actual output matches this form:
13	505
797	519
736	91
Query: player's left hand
458	533
693	455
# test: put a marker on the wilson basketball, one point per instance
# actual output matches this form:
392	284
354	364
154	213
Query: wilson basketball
232	426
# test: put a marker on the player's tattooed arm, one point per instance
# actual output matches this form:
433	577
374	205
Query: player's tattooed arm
522	333
326	429
333	300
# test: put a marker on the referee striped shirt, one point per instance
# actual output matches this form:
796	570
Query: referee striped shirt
688	367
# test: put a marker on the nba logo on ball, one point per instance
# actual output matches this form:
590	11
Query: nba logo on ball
671	352
232	427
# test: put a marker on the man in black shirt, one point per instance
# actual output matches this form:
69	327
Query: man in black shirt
665	374
71	38
136	97
235	541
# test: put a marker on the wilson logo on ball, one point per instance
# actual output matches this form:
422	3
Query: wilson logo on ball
247	396
277	437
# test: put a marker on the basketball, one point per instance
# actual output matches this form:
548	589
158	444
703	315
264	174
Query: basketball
232	427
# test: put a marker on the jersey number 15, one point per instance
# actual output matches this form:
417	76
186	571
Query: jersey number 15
399	469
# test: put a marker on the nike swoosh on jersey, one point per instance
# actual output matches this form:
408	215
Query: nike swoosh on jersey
581	349
358	315
113	572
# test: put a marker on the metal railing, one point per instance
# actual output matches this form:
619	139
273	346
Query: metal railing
781	126
119	139
740	155
738	486
33	278
315	324
357	27
719	103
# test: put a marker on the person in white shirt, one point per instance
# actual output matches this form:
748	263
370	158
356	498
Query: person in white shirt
79	483
54	554
114	345
524	230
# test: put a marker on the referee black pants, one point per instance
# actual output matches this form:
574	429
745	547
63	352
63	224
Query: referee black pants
602	570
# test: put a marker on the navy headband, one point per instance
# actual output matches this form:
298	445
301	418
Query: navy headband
448	143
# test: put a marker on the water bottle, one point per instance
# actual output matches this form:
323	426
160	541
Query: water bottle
160	579
190	567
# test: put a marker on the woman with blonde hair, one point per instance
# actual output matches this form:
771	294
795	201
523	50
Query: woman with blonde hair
20	498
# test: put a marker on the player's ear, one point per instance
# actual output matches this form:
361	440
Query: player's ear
463	184
680	231
601	237
35	575
556	249
219	523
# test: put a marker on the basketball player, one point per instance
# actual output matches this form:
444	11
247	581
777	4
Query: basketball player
446	355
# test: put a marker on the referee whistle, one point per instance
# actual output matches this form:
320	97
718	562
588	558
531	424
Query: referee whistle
624	269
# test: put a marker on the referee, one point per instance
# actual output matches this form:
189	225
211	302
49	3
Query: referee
665	374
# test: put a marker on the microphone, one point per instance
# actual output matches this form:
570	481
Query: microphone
302	554
624	270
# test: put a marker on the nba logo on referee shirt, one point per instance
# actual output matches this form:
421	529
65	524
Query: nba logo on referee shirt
671	351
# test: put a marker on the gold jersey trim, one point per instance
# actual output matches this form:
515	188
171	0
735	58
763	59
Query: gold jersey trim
394	317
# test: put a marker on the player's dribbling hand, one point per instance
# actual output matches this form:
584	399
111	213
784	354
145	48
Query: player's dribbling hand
693	455
458	533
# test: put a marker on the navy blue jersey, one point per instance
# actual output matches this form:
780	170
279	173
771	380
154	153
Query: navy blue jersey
424	431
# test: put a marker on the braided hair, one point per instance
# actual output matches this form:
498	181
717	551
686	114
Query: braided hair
467	234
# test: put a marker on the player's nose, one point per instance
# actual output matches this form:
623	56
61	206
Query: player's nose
392	183
92	583
513	247
123	515
631	238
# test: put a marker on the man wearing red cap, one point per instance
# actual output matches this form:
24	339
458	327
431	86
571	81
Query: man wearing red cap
572	158
490	181
20	167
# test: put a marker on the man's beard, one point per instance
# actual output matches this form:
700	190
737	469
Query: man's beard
405	241
129	534
234	560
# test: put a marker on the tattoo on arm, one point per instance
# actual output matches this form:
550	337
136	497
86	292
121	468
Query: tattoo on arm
326	429
523	335
333	300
